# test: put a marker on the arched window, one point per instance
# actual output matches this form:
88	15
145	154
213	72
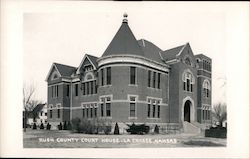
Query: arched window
54	75
187	61
206	88
88	76
188	80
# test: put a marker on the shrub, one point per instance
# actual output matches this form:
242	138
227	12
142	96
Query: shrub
75	124
34	126
156	130
107	129
217	132
91	127
41	126
138	129
116	131
48	126
59	126
69	126
65	126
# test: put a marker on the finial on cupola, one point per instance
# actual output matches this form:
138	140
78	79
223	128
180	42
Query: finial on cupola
125	16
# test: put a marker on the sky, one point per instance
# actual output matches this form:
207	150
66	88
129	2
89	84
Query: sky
65	36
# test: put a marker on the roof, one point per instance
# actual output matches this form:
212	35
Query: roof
124	42
171	53
93	59
38	108
65	70
150	50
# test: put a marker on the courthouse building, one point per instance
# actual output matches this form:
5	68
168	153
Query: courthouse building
134	81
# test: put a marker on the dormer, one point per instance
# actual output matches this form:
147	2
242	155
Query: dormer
59	71
88	64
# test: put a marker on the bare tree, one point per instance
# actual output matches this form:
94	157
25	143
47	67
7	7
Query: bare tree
29	103
220	112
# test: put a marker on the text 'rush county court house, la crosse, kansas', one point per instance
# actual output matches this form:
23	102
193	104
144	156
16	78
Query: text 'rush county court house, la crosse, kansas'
134	81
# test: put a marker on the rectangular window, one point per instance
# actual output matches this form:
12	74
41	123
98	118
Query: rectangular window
50	113
158	111
188	85
132	106
91	112
52	91
184	86
154	76
153	110
87	84
149	109
45	114
191	87
76	89
67	90
92	87
208	114
83	113
132	109
83	89
132	75
56	90
58	113
102	109
159	81
108	75
95	112
203	114
87	113
207	93
41	114
149	78
95	87
108	109
102	77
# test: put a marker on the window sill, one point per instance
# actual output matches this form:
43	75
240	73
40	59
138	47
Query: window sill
157	89
135	85
154	118
132	117
105	86
86	95
105	117
188	91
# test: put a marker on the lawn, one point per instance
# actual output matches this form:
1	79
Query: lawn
67	139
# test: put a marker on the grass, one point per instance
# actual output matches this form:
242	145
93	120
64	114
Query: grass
202	143
67	139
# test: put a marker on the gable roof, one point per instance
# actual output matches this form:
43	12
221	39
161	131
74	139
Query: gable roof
172	53
150	50
124	42
65	70
92	60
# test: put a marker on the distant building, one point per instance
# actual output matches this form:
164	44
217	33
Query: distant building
38	115
40	112
134	81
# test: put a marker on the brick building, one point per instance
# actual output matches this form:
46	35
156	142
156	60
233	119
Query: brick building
134	81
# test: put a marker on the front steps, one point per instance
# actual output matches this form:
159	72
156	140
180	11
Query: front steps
191	128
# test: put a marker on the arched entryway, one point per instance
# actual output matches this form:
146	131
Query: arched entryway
187	111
